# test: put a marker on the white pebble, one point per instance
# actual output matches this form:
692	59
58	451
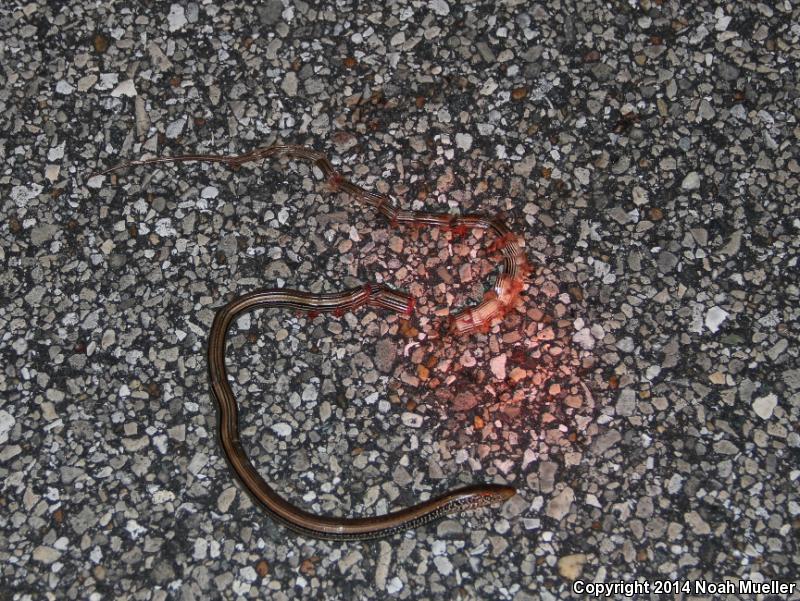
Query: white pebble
175	128
56	152
583	337
163	496
176	17
108	81
164	228
763	406
639	196
464	141
282	429
440	7
498	365
412	420
570	566
714	318
22	195
394	586
125	88
7	422
443	565
582	175
63	87
691	181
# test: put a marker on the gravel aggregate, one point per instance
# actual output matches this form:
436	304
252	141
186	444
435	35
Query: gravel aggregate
644	398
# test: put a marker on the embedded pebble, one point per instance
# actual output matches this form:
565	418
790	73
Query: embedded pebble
176	17
571	566
226	498
691	181
651	357
715	316
124	88
412	420
282	429
7	422
560	505
498	366
463	141
765	405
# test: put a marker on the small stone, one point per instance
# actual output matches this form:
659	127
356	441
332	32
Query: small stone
639	195
412	420
86	82
464	141
270	12
100	43
46	554
705	111
498	365
9	451
310	392
763	406
725	447
282	429
108	81
733	245
583	175
176	17
42	233
142	118
440	7
385	355
209	192
519	93
792	378
488	88
163	496
691	181
289	84
606	441
714	318
7	422
395	585
443	565
158	58
666	261
226	498
626	345
398	39
560	505
124	88
63	87
626	405
56	152
571	566
584	338
175	128
465	401
449	529
717	377
698	524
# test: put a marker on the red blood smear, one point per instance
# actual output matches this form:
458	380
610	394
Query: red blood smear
458	231
502	242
